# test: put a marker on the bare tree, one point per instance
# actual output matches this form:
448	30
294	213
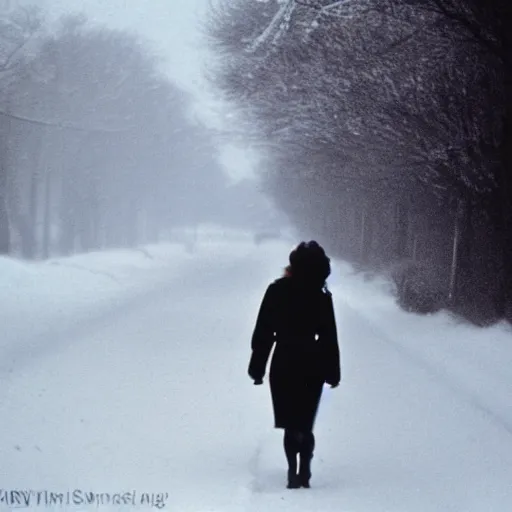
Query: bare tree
103	139
17	31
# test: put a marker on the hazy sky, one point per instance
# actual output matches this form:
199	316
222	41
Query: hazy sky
172	25
174	28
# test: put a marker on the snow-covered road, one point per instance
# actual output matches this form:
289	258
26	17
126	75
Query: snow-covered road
157	400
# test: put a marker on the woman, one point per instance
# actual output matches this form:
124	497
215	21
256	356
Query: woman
297	315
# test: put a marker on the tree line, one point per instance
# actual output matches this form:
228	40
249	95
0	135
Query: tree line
386	130
98	147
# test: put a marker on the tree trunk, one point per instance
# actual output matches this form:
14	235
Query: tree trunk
131	224
67	238
362	237
366	237
68	226
455	252
47	226
462	280
5	238
31	243
402	228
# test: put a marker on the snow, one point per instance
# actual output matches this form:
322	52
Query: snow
472	362
125	372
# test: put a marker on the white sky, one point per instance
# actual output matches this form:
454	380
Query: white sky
172	25
174	28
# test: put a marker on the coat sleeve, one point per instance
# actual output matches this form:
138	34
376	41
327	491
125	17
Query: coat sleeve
263	336
332	351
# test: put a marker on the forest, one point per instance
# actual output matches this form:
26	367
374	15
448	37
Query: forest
385	127
99	148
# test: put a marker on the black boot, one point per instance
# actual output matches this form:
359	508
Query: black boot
291	449
293	480
306	454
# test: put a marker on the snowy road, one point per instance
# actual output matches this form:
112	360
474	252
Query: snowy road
158	401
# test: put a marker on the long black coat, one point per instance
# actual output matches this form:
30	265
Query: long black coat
300	321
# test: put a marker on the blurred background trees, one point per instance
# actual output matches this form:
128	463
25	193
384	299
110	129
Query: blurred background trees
98	147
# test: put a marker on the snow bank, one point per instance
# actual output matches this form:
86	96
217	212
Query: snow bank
57	298
35	295
473	362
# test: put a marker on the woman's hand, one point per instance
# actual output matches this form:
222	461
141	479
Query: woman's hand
255	376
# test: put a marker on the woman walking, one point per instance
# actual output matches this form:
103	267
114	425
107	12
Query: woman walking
297	315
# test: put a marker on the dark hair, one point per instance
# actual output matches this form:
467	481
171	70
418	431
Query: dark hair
309	263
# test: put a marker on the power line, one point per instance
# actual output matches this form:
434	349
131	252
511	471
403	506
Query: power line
62	126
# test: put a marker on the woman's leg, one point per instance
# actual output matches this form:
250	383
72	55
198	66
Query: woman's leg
311	401
292	447
306	454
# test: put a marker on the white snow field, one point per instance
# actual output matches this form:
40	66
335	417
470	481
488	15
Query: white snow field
123	375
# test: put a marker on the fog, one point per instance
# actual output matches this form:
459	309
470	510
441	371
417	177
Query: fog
124	121
173	27
158	161
113	133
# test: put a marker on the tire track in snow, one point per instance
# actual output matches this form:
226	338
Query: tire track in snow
437	374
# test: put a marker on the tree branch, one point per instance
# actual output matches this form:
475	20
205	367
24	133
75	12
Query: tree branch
474	29
276	23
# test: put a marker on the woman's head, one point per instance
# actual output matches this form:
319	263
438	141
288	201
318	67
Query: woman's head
309	263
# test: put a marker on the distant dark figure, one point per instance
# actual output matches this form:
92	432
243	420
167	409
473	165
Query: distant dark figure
297	315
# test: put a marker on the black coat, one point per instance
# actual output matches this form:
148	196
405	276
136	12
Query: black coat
300	321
